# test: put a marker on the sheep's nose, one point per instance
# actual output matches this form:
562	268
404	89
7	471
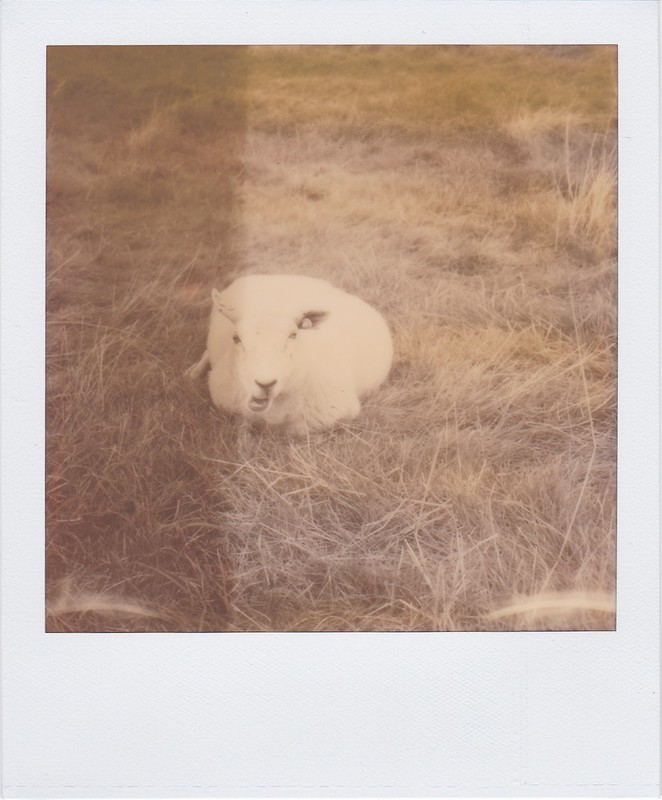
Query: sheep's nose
266	386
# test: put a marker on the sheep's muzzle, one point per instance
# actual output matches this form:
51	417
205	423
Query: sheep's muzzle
259	403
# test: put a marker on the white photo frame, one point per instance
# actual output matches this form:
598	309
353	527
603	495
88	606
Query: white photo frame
191	715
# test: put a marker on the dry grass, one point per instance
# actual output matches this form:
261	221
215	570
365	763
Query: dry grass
470	194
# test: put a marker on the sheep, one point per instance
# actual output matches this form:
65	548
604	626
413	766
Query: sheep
293	351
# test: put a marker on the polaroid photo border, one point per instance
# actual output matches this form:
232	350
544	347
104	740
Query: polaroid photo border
328	714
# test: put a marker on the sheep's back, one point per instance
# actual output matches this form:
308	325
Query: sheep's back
354	341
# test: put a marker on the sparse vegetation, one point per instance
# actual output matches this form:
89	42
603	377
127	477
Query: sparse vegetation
469	193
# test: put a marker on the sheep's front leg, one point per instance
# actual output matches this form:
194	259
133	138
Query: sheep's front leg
199	368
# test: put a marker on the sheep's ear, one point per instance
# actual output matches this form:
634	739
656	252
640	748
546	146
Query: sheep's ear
311	319
228	312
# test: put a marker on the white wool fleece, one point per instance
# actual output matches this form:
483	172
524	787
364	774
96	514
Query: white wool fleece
294	351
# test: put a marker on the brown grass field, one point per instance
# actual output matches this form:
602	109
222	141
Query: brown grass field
469	193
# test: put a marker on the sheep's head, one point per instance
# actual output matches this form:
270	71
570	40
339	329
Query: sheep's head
265	346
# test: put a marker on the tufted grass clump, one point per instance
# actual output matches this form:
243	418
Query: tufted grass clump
469	193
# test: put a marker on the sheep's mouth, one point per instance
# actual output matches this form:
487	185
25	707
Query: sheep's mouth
259	403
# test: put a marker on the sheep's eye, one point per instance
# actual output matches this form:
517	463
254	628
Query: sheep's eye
236	339
306	323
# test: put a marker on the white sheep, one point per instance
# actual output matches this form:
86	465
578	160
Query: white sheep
293	351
